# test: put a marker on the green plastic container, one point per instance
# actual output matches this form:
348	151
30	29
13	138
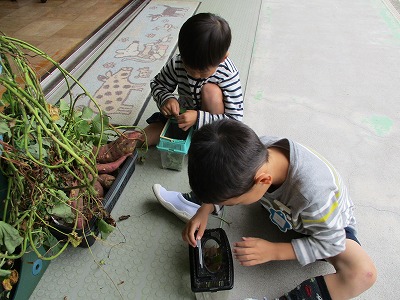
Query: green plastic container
31	271
174	145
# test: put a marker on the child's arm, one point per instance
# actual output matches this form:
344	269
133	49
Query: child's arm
253	251
326	235
164	83
197	222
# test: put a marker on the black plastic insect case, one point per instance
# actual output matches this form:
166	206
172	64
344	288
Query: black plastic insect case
211	264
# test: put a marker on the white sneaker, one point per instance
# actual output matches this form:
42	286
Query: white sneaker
175	203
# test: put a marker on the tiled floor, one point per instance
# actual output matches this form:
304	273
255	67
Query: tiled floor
58	26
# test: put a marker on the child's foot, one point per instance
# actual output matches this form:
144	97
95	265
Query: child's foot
184	206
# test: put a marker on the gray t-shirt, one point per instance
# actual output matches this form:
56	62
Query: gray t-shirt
313	201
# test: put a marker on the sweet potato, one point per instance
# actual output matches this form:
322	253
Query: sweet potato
106	168
106	180
98	187
118	148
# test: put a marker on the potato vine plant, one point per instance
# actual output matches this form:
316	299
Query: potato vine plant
47	152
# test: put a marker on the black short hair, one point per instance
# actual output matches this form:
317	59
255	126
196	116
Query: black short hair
204	40
223	159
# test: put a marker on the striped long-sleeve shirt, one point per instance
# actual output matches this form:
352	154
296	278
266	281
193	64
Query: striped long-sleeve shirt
319	203
173	75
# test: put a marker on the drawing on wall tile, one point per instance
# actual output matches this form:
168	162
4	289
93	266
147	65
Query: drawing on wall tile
119	80
115	90
169	11
148	52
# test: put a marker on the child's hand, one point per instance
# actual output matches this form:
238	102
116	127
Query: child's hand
187	119
170	108
253	251
197	222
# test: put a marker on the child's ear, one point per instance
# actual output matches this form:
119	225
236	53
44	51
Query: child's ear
263	178
226	56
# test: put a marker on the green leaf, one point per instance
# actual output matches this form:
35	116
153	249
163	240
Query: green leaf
51	244
60	122
83	127
46	142
104	228
96	123
4	128
87	113
62	195
64	105
77	115
63	211
9	237
104	139
34	150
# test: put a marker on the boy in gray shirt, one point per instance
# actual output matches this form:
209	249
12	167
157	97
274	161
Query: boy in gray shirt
228	164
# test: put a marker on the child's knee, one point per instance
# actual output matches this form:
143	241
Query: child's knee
361	277
212	98
368	274
153	132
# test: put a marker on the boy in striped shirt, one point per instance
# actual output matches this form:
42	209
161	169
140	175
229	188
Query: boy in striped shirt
207	81
228	164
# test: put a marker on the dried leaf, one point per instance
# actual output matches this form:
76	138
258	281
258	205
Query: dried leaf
122	218
7	284
14	277
54	112
74	239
